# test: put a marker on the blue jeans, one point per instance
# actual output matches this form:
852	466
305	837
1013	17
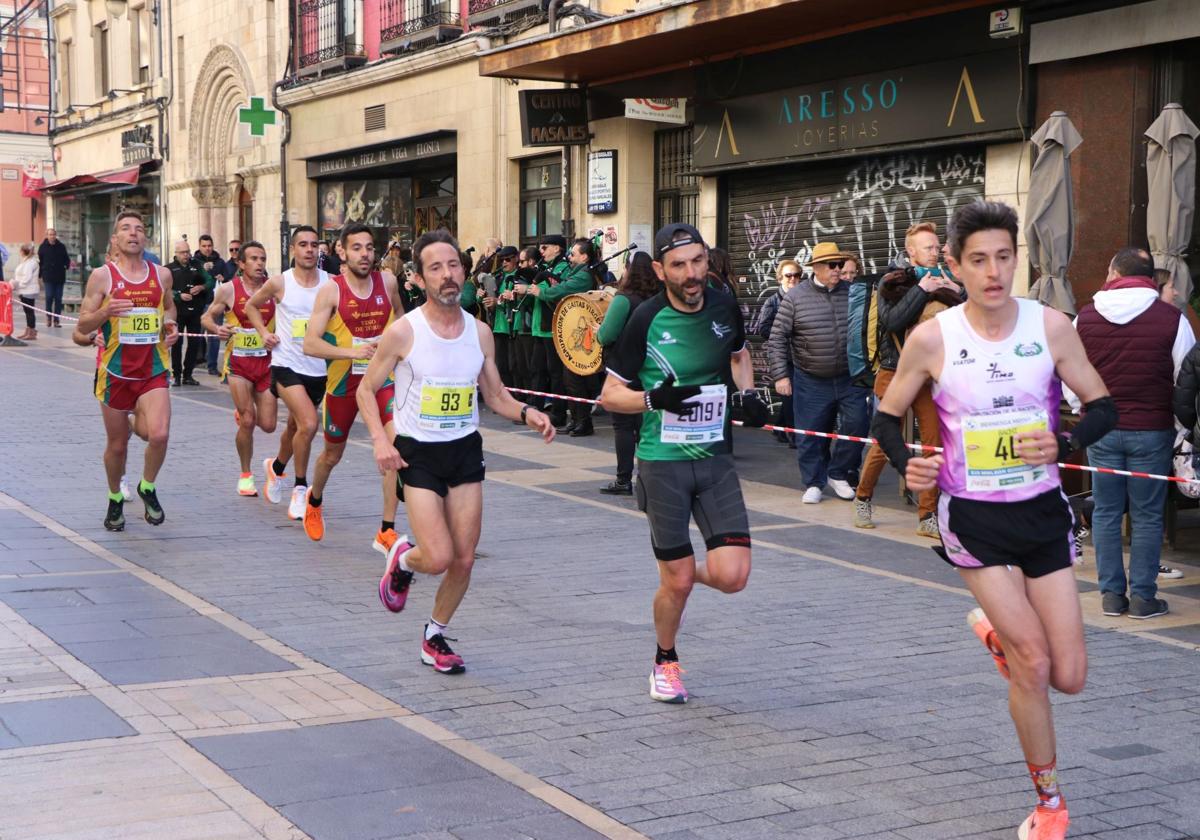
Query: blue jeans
821	405
1148	451
54	296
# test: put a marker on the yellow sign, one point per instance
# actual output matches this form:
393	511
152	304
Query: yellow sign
575	323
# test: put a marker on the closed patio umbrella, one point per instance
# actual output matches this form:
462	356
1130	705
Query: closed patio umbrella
1171	178
1050	219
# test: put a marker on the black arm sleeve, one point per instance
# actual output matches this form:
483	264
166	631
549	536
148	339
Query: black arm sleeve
885	428
1099	418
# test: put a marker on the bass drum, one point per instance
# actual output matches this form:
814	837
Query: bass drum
576	321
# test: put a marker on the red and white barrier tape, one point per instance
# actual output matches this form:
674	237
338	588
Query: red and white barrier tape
73	319
772	428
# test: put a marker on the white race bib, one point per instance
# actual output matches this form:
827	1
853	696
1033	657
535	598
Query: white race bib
139	325
702	422
446	404
246	342
989	443
359	366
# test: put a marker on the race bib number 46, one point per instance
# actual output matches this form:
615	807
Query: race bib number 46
989	448
702	422
139	325
446	404
247	342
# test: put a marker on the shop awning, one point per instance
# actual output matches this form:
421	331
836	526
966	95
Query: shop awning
127	176
693	32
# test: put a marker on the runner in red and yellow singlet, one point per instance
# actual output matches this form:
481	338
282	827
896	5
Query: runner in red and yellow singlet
348	318
125	300
247	358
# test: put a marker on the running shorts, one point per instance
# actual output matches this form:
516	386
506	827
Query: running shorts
673	492
440	466
338	415
123	394
254	369
314	386
1033	535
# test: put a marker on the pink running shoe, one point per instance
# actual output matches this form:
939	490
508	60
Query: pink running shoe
437	653
1045	824
393	586
666	686
987	634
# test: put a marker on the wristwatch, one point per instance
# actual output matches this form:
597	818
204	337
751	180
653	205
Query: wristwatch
524	411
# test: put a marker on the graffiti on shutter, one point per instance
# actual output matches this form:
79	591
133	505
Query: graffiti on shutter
864	205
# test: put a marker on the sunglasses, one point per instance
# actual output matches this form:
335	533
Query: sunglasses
791	275
837	264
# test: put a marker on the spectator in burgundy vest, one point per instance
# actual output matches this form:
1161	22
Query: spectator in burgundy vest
1137	344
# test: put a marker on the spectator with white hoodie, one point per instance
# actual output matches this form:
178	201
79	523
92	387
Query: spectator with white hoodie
25	287
1137	344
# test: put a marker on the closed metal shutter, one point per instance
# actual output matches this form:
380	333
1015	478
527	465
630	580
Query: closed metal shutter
864	205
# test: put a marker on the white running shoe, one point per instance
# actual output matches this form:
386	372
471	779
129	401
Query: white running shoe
299	502
812	496
274	484
842	488
128	494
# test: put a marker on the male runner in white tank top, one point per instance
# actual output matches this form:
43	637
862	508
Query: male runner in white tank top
298	380
997	364
438	355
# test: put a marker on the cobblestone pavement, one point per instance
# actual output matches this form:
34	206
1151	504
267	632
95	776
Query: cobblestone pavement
223	676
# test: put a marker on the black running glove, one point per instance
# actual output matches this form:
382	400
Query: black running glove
755	413
671	397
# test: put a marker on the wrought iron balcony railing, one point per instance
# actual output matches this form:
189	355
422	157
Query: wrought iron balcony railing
327	36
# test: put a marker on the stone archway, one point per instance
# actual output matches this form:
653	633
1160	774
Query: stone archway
223	85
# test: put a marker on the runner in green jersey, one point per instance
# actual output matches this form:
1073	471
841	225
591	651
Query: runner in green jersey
675	363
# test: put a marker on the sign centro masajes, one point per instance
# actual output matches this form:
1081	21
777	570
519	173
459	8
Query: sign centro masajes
554	117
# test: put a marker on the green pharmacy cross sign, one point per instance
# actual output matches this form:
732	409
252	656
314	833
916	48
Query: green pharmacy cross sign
256	116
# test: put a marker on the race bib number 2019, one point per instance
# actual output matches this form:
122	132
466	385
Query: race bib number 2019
139	325
446	404
703	422
989	448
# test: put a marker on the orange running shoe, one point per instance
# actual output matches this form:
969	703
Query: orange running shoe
384	540
314	522
1045	824
987	634
245	485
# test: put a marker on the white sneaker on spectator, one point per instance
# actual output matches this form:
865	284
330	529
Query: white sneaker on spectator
1168	573
812	496
842	488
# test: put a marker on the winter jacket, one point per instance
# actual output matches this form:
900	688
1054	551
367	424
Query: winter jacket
25	280
811	328
901	305
1137	344
766	316
1185	404
53	261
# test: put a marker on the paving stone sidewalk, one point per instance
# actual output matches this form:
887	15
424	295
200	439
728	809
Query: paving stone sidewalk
831	699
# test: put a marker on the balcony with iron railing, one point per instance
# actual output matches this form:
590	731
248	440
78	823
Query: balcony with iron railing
413	24
327	37
495	12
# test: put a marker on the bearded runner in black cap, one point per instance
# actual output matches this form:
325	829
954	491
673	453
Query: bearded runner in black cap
675	361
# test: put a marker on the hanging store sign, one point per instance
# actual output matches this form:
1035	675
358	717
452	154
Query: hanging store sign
137	144
396	153
602	181
973	95
673	111
554	117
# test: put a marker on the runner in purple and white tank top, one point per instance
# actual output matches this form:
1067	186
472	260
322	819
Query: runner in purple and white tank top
998	364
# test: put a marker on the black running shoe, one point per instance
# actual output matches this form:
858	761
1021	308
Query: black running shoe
114	520
618	488
154	511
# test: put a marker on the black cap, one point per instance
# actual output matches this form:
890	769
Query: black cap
508	252
555	239
675	236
